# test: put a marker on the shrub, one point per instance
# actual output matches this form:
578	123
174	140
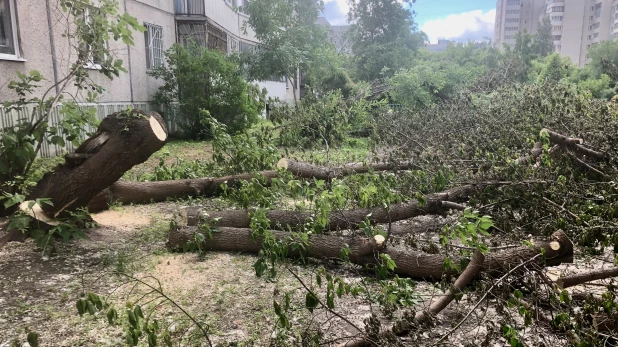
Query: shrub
201	79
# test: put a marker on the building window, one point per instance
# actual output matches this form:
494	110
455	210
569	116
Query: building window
509	37
557	27
511	28
512	11
232	45
512	20
595	35
191	31
557	9
557	37
512	3
245	47
591	18
558	48
153	37
591	8
556	18
8	30
217	38
95	56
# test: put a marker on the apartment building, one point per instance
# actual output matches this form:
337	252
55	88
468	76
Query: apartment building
31	39
513	16
577	24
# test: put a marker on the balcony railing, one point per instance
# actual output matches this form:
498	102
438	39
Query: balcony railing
189	7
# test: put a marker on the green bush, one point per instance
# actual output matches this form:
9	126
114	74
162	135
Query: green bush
200	79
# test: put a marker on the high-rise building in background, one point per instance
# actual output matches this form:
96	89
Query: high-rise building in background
577	24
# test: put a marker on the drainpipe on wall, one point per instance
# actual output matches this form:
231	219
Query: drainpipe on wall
53	46
129	59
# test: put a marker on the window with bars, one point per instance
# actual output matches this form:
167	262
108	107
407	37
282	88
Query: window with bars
217	38
153	37
188	31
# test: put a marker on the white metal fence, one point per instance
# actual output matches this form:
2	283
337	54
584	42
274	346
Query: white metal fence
10	119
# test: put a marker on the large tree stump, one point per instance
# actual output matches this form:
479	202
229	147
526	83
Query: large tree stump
122	141
363	251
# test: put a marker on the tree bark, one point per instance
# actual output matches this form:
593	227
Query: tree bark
121	142
338	220
573	143
146	192
310	171
365	251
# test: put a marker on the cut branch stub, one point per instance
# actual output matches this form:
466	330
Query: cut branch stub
576	144
122	141
586	276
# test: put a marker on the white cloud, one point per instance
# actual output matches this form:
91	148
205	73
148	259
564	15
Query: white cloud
341	17
473	25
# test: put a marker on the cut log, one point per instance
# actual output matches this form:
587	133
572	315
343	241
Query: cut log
146	192
40	220
364	251
122	141
586	276
310	171
338	220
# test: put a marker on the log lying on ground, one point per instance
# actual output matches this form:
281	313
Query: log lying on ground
586	276
471	272
310	171
535	152
558	249
121	142
146	192
338	220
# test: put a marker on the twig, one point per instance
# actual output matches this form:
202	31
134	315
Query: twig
322	304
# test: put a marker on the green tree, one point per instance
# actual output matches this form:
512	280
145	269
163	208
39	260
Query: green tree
604	59
555	69
202	79
383	37
543	39
290	39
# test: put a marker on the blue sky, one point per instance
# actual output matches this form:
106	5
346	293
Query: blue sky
459	20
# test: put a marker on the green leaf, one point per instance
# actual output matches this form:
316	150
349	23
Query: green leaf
112	316
311	301
33	339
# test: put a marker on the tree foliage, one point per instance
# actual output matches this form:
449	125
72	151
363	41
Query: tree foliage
290	39
383	36
196	79
543	39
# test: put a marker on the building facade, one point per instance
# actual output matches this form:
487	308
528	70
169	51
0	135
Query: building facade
31	39
577	24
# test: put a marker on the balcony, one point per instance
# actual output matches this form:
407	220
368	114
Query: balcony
189	7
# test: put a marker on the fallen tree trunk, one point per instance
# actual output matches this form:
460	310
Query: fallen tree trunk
146	192
337	220
363	251
310	171
121	142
